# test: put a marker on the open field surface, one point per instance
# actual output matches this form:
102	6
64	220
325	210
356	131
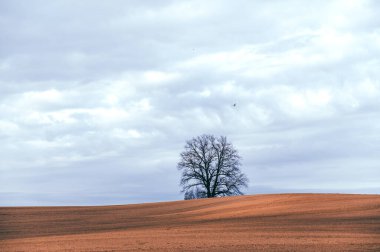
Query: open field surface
283	222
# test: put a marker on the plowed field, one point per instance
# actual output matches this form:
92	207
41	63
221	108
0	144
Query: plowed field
282	222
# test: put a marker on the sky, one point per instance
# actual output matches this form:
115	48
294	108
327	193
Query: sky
98	98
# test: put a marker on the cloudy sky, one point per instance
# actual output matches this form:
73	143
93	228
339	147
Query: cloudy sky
97	98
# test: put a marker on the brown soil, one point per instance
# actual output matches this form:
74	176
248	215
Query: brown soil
285	222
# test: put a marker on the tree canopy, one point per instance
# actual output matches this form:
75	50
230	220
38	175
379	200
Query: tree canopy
211	168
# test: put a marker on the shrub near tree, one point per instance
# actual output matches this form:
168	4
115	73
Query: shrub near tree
211	168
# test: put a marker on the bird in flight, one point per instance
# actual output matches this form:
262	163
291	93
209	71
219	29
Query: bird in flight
234	105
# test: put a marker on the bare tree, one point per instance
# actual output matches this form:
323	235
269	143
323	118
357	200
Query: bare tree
211	168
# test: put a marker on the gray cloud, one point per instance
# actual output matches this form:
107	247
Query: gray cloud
98	98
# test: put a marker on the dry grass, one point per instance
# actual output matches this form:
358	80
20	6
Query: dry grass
286	222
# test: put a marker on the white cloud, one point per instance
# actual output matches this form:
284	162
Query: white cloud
48	96
7	127
159	77
127	134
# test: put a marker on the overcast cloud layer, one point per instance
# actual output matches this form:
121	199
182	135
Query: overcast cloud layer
97	98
